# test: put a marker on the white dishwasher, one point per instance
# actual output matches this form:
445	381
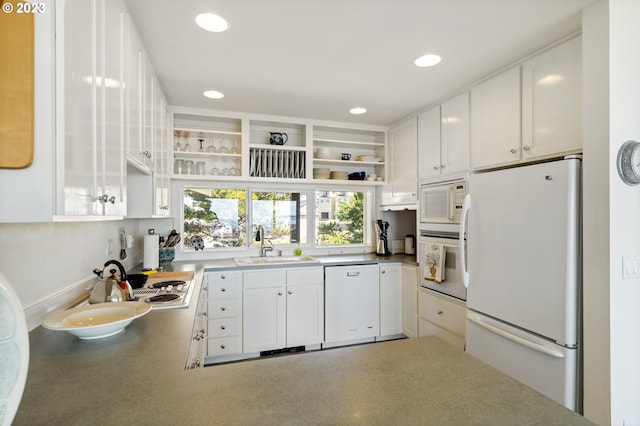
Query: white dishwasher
352	302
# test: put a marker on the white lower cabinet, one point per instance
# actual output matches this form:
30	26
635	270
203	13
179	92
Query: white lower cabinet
305	306
410	300
390	299
199	333
223	313
282	308
441	317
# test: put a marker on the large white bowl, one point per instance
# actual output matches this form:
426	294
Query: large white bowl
98	320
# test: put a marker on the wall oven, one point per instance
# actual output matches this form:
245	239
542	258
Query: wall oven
453	284
442	203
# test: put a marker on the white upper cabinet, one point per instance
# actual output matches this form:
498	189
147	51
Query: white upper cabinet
518	118
495	120
429	144
93	88
443	139
552	101
455	135
402	150
162	157
136	152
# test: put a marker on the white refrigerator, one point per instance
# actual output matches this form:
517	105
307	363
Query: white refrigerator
523	275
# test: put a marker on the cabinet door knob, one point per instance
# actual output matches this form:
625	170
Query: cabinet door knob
436	168
222	308
290	292
279	293
222	277
442	166
223	327
223	289
513	151
440	312
526	148
222	346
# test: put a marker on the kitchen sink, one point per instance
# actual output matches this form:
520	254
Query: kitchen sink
273	260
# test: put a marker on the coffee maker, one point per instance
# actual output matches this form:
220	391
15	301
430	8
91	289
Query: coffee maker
382	247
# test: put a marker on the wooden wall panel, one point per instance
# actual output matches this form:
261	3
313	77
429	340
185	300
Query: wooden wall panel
16	88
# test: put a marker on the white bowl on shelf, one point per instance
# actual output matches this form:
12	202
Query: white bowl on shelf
323	153
369	158
339	175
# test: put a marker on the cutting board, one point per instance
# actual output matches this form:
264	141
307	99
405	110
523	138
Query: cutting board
162	276
16	89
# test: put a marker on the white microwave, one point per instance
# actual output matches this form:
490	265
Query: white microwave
442	203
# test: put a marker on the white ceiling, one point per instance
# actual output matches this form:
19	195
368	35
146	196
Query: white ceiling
319	58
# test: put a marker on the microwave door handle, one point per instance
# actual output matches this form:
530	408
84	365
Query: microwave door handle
463	255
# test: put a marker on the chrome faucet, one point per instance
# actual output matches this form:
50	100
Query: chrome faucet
260	237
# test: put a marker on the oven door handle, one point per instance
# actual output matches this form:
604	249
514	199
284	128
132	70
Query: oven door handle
463	254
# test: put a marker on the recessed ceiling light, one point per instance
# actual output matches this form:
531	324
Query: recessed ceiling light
358	110
213	94
427	60
212	22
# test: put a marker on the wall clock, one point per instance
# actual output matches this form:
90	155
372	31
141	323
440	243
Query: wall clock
629	162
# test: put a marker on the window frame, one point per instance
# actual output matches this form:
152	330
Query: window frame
179	187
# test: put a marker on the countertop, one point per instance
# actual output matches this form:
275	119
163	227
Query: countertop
324	260
137	377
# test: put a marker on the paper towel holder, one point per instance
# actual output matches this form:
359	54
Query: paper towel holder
151	251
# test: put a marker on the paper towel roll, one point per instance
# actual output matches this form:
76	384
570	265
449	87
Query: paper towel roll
150	258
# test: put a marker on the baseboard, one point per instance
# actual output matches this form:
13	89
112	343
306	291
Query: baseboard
63	299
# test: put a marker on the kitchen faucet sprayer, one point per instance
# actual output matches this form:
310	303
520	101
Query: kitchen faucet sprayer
260	237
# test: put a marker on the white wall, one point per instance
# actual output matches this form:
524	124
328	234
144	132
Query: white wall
611	213
55	260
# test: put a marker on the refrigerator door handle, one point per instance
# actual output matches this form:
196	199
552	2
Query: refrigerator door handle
463	224
516	339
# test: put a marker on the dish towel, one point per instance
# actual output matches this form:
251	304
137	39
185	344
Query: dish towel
434	262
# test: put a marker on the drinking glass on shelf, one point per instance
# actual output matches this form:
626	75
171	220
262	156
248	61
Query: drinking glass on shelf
200	168
223	149
189	167
187	147
212	148
235	149
178	145
178	166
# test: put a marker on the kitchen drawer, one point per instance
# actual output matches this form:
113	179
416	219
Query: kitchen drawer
225	290
264	278
425	328
305	275
224	346
442	312
224	327
222	276
224	308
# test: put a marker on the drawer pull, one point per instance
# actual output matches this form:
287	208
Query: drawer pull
353	274
223	289
440	312
223	277
222	308
223	327
222	346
